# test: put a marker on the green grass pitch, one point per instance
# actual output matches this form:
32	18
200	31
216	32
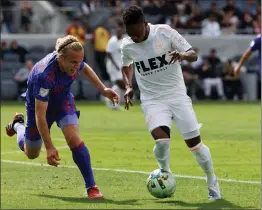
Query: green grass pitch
120	140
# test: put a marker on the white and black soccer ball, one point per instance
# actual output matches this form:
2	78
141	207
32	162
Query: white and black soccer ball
161	184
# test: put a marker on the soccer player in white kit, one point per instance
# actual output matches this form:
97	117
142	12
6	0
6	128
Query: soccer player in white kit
113	63
155	51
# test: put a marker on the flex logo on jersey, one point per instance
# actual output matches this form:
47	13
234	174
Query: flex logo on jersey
152	64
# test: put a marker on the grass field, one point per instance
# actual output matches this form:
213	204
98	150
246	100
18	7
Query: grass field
120	140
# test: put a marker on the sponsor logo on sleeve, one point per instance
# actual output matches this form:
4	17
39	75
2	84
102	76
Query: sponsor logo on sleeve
43	92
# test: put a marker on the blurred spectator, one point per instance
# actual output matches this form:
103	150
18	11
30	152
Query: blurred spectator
118	8
100	38
212	75
184	11
252	7
78	31
3	50
231	5
192	81
214	11
87	7
213	59
7	16
195	19
22	75
232	85
257	24
229	22
26	16
19	50
134	3
177	24
210	26
246	23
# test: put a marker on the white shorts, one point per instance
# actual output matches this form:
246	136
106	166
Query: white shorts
162	113
115	74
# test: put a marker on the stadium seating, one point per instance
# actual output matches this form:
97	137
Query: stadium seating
9	89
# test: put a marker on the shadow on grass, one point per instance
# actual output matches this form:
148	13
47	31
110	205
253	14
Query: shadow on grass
87	200
217	204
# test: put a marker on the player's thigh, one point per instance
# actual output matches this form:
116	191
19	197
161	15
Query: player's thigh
70	128
68	122
157	114
185	119
33	140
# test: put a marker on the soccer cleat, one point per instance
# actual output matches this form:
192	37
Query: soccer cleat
18	118
94	193
214	191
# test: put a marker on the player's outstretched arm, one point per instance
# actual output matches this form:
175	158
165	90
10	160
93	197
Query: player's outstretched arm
243	59
91	76
52	153
127	72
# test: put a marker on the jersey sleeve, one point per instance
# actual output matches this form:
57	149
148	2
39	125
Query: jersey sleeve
179	43
42	87
126	60
255	44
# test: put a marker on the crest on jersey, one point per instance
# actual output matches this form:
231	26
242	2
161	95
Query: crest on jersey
158	46
43	92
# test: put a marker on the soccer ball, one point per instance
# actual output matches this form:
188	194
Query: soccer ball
161	184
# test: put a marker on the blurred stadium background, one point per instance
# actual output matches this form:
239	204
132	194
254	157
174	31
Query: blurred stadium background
220	30
119	142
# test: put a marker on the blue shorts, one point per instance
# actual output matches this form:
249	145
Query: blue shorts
64	114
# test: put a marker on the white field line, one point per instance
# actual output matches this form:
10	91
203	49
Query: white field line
130	171
18	151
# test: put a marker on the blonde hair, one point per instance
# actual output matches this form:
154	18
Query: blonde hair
65	43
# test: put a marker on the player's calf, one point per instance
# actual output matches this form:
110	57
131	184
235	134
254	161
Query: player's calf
204	159
162	146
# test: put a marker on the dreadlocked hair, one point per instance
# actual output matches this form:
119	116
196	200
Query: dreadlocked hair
133	15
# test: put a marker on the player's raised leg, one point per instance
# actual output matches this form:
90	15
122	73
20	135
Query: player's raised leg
80	153
186	122
30	148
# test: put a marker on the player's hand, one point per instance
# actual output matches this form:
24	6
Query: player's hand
236	71
52	156
128	97
112	95
176	56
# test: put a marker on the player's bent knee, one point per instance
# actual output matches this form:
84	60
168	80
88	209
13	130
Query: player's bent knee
71	136
32	153
192	138
161	132
73	141
33	156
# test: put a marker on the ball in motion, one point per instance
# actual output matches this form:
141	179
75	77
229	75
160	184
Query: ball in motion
161	184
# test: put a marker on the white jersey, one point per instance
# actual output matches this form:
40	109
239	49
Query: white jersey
156	79
113	47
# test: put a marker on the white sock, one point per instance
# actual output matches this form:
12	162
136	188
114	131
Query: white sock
19	128
20	137
203	157
162	153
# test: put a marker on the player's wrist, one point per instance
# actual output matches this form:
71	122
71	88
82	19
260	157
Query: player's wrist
128	86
